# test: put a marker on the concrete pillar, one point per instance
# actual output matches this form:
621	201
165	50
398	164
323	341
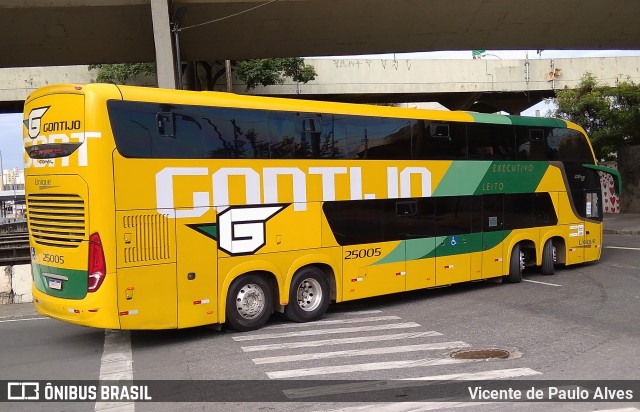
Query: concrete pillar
6	296
21	283
165	61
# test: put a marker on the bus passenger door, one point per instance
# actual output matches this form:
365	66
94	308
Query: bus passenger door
592	241
454	241
414	220
492	236
196	273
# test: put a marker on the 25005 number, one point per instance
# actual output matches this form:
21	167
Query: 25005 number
363	253
52	258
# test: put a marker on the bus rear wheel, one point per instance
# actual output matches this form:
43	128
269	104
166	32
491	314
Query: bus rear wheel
516	265
309	295
249	303
548	258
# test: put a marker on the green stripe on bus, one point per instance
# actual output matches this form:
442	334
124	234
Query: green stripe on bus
489	118
512	177
537	121
484	177
416	249
462	178
74	287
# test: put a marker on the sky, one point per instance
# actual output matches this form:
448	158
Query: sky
11	126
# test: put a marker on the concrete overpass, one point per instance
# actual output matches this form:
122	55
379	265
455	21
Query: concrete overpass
486	85
65	32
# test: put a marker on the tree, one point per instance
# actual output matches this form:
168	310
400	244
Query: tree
254	73
120	73
609	114
267	72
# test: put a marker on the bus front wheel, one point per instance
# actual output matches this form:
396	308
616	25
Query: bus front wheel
516	265
249	303
309	295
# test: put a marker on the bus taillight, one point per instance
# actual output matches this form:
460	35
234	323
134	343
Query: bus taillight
97	267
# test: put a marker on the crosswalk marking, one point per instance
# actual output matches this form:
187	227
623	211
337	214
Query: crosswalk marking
314	332
360	352
353	313
341	341
331	322
362	367
368	386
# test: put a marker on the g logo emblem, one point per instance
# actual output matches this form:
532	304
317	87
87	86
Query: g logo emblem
34	121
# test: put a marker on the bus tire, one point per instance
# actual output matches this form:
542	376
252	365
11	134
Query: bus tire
515	266
548	260
249	302
308	296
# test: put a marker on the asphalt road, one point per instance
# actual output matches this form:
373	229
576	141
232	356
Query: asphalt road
581	323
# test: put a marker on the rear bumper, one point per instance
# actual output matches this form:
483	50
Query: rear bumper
97	310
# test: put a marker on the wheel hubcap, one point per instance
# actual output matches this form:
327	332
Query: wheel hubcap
309	295
250	301
521	260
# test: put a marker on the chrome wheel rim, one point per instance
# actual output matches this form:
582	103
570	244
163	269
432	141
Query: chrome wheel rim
309	295
250	301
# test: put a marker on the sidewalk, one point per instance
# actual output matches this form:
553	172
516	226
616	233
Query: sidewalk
622	223
17	310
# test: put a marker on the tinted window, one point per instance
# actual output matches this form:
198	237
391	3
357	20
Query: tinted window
181	131
439	140
409	218
518	211
377	138
355	222
491	141
453	215
545	213
570	145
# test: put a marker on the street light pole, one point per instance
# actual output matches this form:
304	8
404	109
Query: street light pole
176	27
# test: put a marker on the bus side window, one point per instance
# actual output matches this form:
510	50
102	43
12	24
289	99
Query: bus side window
308	132
235	133
519	210
282	135
440	140
378	138
491	141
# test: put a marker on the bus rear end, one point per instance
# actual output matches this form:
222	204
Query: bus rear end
71	279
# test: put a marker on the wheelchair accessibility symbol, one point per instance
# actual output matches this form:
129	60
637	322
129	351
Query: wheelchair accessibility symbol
453	241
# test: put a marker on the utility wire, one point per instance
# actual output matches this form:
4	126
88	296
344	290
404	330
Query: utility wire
228	17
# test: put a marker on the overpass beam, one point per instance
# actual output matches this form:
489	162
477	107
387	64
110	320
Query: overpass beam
165	61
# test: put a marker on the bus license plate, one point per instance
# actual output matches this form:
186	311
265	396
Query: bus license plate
55	284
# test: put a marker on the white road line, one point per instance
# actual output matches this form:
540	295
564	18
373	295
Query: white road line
116	364
331	322
618	410
409	406
623	248
353	312
623	266
363	367
20	320
540	283
361	352
314	332
341	341
369	386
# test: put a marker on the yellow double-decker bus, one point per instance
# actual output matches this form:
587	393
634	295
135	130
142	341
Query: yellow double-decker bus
153	209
